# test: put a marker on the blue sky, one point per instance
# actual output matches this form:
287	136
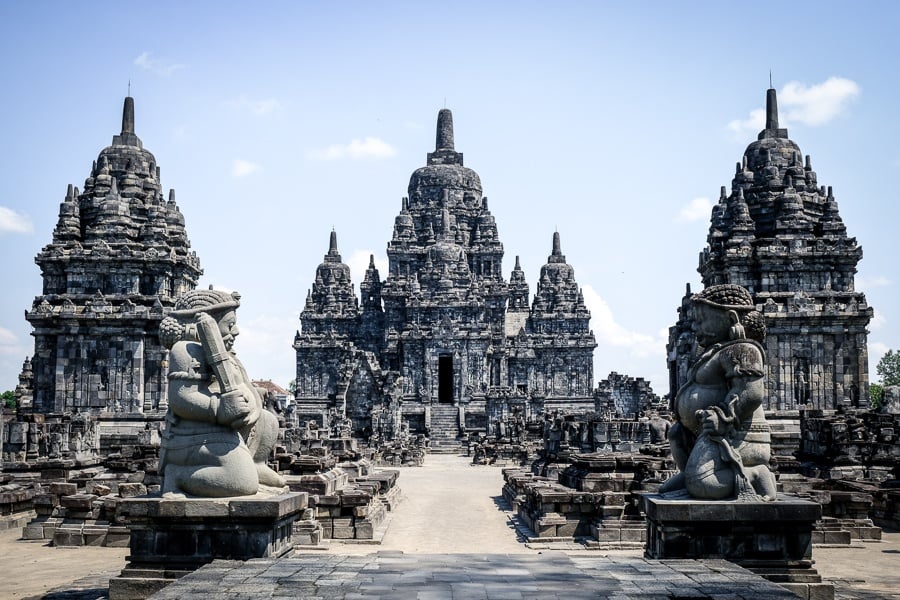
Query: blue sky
613	123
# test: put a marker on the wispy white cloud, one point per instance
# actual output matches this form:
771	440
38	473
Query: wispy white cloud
368	147
14	222
10	344
243	168
259	108
863	283
157	66
817	104
811	105
876	351
755	121
878	321
608	331
7	337
264	346
697	209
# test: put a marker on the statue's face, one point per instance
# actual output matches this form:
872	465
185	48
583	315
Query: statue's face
711	324
228	328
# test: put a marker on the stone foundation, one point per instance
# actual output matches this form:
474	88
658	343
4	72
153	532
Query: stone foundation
772	539
171	537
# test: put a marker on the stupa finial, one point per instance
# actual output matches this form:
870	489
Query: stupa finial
332	243
771	109
128	115
444	138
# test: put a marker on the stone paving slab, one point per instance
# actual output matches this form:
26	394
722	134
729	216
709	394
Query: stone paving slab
397	576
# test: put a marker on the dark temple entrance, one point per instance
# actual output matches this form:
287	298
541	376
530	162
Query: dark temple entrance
445	379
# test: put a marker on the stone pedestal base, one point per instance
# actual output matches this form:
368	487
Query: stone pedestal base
170	537
772	539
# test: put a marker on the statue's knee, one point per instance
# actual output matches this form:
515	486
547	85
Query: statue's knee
267	421
755	454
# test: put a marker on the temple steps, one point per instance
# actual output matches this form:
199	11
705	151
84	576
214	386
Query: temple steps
444	434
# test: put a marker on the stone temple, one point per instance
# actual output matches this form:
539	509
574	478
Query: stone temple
780	235
444	335
119	258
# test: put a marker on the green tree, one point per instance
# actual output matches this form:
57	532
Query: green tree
888	368
8	398
876	394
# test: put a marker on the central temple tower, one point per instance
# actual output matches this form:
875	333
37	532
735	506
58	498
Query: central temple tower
444	331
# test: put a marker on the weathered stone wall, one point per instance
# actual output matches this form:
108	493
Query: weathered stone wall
624	396
852	445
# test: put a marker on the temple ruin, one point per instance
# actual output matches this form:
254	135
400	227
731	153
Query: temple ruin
118	260
779	234
444	332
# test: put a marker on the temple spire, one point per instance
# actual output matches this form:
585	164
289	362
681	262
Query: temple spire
444	137
128	115
332	243
556	256
444	149
771	109
772	129
127	137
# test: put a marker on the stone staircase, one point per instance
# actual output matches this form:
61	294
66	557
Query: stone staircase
445	429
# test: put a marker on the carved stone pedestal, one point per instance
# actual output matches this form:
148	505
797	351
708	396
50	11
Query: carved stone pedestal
173	537
772	539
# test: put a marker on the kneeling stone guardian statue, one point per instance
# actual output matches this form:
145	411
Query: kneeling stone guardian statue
218	435
721	442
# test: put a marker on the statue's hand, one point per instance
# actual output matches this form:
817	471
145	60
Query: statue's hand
249	419
712	422
234	407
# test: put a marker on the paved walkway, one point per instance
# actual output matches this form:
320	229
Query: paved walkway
397	576
451	538
448	506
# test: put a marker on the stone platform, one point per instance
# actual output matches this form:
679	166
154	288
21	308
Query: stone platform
398	576
171	537
773	539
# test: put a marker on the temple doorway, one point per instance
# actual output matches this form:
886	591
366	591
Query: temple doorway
445	379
